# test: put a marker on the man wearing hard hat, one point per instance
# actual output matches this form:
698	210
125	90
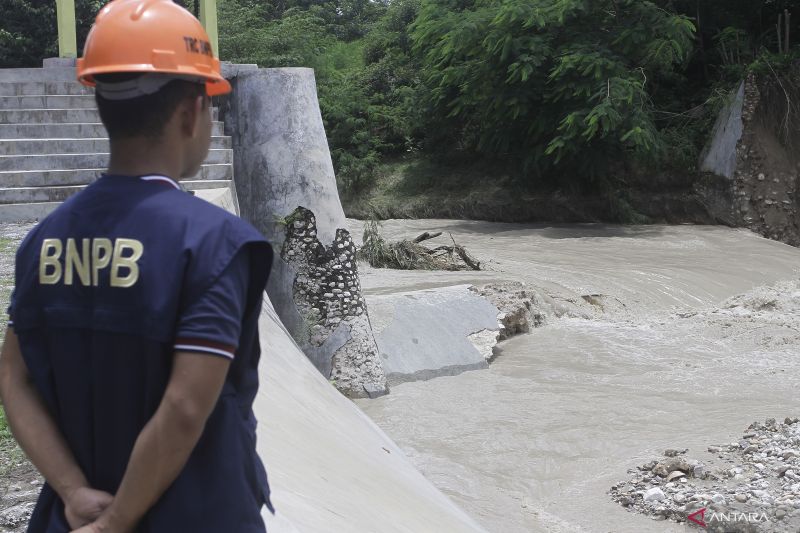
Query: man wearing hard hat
129	367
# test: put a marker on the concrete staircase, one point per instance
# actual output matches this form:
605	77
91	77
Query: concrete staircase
52	143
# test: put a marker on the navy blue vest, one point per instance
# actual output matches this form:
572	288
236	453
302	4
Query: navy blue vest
100	287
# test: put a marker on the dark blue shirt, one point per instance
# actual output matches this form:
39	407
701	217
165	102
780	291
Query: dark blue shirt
108	287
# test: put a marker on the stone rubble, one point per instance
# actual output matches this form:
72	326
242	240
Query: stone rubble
750	485
327	295
521	308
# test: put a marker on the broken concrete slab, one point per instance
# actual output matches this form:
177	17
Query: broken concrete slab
430	333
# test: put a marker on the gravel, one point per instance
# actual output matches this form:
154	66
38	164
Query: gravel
752	484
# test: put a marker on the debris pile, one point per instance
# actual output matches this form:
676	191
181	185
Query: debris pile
752	484
412	255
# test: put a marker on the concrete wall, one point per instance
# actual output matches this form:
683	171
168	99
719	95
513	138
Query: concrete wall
287	189
719	157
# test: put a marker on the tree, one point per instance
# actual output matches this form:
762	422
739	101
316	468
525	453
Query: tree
550	84
27	30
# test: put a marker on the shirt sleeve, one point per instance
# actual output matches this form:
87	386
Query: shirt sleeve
212	321
11	309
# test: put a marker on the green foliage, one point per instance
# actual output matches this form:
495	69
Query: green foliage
5	431
294	39
26	35
324	36
27	30
552	82
565	94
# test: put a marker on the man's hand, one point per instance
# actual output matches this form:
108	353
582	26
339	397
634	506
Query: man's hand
85	505
94	527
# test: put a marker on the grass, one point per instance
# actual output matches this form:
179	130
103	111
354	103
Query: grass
412	187
5	432
10	453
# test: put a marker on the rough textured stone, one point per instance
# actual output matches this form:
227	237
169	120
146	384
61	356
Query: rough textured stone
521	308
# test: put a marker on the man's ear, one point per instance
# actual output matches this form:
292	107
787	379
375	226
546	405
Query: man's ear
191	113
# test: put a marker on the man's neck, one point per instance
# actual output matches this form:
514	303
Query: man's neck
141	157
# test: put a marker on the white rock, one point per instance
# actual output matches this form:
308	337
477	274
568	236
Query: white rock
654	495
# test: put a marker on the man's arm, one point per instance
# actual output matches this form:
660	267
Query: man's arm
165	443
42	441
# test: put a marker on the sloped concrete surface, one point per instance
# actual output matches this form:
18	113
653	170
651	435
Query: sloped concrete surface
429	333
331	469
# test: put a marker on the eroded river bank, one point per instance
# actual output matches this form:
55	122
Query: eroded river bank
689	335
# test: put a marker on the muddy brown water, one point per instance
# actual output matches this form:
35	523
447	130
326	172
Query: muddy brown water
698	336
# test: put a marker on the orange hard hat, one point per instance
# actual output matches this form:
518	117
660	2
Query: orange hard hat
150	37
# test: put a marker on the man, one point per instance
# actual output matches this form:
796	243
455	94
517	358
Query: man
129	367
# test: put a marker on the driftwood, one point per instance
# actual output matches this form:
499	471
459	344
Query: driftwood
426	236
411	255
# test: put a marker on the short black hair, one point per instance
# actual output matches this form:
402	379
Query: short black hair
144	116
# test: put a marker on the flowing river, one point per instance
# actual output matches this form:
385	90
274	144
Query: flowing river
690	333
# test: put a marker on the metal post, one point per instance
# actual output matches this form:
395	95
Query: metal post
67	42
208	16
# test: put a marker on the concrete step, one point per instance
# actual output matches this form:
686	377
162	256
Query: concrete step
74	146
50	74
48	116
85	101
26	211
59	193
68	131
57	116
196	185
84	176
37	88
95	160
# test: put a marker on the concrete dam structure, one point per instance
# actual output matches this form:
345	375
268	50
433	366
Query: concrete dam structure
331	469
289	193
